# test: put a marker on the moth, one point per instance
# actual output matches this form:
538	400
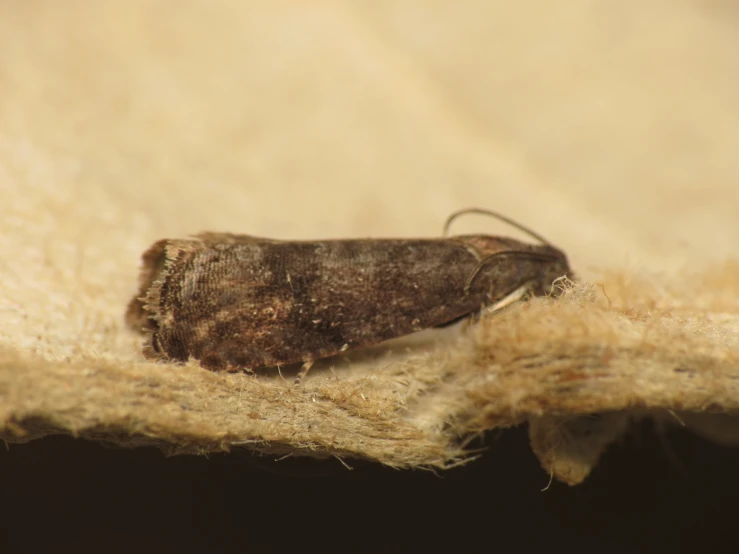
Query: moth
236	302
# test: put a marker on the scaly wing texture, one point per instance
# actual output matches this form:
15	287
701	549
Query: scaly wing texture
265	303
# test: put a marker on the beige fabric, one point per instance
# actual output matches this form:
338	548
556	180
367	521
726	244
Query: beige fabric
610	129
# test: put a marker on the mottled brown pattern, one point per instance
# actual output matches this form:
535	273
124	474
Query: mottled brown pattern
234	301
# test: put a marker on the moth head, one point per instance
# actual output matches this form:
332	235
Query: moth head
510	264
553	266
537	266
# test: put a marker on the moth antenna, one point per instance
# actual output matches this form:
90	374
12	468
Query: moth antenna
499	217
535	256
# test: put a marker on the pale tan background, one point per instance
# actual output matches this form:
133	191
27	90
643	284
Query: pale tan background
611	128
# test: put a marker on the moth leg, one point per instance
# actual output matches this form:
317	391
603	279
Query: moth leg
303	372
508	300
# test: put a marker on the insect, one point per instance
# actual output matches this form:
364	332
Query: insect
242	302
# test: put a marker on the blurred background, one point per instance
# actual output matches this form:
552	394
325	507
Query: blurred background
612	128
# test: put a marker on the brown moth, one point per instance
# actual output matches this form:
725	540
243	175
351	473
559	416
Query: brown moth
242	302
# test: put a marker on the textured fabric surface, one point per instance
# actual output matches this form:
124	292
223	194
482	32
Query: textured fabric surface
611	130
